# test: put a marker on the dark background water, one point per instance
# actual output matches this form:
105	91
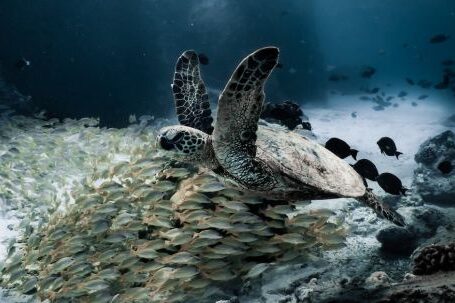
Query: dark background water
112	58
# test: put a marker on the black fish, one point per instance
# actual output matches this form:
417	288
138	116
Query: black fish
22	63
337	77
414	104
367	72
445	82
445	167
389	98
366	169
354	114
374	90
203	59
340	148
402	94
410	81
449	72
391	184
439	38
448	62
422	97
388	147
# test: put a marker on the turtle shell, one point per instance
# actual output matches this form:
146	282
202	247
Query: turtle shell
304	162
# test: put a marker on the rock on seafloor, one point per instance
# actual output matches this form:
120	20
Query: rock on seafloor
422	224
435	186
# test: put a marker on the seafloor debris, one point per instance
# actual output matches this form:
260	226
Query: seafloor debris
109	219
434	258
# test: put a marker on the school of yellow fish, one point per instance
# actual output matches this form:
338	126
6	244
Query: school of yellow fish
106	217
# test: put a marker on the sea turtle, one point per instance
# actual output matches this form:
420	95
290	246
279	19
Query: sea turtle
277	164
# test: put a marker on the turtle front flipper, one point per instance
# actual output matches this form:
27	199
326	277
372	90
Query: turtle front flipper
239	108
380	208
190	95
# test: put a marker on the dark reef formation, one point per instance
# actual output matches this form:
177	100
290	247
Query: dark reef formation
432	184
434	258
287	113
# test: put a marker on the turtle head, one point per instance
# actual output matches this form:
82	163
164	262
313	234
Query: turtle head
184	143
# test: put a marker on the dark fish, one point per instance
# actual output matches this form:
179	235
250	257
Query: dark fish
367	72
374	90
414	104
378	108
203	59
439	38
444	83
389	98
449	72
445	167
448	62
422	97
340	148
366	169
395	105
364	98
391	184
279	65
402	94
410	81
388	147
354	114
337	77
22	63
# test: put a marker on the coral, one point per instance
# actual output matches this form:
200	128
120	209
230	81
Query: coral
287	113
434	258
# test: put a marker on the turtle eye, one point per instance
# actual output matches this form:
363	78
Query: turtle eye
174	136
165	143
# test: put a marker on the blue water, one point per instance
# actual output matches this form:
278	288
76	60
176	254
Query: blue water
111	58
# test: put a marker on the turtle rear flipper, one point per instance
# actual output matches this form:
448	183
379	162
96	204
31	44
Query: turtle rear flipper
380	208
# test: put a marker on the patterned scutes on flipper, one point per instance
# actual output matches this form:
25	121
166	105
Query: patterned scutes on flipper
239	108
383	210
190	95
